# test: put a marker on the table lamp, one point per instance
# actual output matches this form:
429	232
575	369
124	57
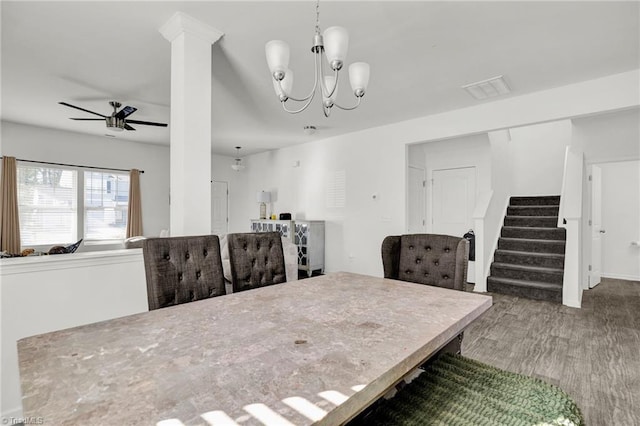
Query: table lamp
263	197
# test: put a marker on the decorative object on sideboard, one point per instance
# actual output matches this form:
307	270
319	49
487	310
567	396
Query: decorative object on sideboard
334	42
263	197
237	163
71	248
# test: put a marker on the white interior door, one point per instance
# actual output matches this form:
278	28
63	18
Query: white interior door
219	208
453	200
416	197
595	273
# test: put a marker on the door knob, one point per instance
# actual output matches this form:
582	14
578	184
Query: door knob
602	231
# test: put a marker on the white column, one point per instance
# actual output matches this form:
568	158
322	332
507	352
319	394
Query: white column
190	124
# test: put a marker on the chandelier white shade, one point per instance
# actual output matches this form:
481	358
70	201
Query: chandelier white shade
237	163
334	43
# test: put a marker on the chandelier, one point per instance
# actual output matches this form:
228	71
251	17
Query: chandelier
237	164
334	43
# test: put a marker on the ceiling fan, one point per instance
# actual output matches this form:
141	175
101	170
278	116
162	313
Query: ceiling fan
117	121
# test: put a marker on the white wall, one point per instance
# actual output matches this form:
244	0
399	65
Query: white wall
608	137
465	151
537	157
42	144
416	157
356	226
491	206
621	220
416	189
603	138
222	171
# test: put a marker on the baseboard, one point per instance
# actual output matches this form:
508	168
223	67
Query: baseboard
621	277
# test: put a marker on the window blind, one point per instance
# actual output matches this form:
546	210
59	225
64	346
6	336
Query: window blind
47	205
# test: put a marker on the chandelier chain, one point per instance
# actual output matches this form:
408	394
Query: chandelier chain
318	17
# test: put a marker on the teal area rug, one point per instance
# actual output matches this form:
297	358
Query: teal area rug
458	391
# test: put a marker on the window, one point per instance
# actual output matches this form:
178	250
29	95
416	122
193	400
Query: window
47	205
106	198
62	205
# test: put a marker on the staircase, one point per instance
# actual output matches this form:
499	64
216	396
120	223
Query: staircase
529	261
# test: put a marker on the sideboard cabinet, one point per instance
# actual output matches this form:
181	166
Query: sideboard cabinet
307	235
284	227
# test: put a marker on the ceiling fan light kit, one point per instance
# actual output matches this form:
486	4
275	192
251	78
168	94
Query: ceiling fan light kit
117	121
334	43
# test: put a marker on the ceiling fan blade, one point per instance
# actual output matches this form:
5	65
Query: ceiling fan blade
126	111
126	126
148	123
81	109
87	119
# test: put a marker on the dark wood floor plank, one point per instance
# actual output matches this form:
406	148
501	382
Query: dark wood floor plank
591	353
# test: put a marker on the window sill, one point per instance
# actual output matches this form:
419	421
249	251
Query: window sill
103	242
30	264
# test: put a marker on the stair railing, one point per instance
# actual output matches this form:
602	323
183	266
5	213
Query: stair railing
570	218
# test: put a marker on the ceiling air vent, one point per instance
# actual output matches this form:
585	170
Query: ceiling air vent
495	86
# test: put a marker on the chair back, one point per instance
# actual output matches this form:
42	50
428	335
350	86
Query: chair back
432	259
182	269
257	260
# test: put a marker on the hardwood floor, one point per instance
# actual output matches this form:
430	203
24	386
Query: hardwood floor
592	353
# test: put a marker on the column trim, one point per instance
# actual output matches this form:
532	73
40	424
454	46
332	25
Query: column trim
181	23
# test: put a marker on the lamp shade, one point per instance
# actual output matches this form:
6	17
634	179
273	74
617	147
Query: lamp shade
336	43
263	197
277	52
330	83
359	76
237	166
286	83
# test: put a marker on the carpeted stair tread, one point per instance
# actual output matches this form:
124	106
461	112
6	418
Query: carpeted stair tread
537	290
526	284
532	245
458	391
533	232
534	240
516	257
535	201
533	217
528	268
533	210
531	221
527	272
528	253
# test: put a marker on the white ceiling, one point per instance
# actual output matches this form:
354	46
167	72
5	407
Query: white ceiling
87	53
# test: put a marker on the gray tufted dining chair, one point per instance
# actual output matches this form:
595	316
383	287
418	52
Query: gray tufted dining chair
432	259
257	260
182	269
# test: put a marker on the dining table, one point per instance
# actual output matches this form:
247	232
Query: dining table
314	351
